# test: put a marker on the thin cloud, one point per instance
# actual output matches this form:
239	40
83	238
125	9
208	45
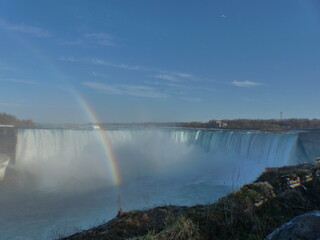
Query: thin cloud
191	77
124	89
167	77
22	28
162	74
4	104
97	61
174	85
101	38
184	75
169	85
190	99
20	81
69	59
157	73
246	83
171	88
70	42
178	76
100	75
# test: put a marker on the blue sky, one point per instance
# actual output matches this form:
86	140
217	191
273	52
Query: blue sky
138	61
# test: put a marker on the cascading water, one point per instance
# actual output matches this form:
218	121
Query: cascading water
77	154
272	149
59	158
61	178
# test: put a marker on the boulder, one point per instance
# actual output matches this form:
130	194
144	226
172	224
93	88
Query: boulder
303	227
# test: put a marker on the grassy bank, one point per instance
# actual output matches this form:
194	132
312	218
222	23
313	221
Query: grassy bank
251	212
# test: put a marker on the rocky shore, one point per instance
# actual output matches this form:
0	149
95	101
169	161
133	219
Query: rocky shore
252	212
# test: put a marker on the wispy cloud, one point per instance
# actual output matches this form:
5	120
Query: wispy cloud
89	39
180	86
184	75
69	59
19	81
246	83
177	76
125	89
191	99
100	75
22	28
4	104
158	84
168	77
97	61
157	73
101	38
70	42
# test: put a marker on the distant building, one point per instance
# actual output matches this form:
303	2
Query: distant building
222	124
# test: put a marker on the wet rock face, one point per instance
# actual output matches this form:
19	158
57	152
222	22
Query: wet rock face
303	227
8	140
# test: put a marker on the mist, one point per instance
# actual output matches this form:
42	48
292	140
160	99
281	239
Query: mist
61	179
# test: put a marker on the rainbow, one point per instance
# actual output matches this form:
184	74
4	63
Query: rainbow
92	116
103	137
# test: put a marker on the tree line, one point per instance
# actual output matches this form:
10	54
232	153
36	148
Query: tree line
239	124
257	124
8	119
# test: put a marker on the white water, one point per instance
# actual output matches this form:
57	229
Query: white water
61	180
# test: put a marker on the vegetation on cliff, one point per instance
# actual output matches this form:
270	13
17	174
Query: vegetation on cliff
251	212
8	119
258	124
273	125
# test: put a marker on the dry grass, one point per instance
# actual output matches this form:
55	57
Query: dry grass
250	213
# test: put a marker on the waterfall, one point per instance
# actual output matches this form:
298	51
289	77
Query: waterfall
274	149
74	155
61	177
